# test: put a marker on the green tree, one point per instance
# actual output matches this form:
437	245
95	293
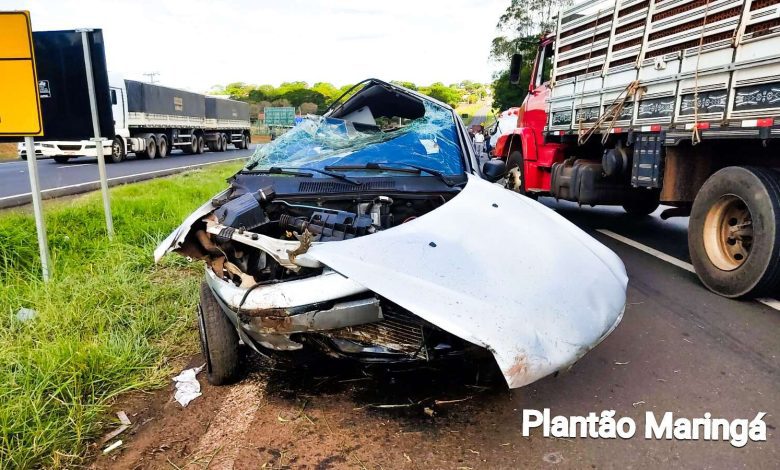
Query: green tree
507	95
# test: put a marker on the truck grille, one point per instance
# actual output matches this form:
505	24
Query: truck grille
69	146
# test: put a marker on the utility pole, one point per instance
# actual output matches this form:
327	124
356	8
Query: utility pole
152	76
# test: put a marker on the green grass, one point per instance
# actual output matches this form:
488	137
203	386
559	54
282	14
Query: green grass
469	110
110	321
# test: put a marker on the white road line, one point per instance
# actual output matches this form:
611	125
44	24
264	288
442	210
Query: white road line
115	178
772	303
74	166
651	251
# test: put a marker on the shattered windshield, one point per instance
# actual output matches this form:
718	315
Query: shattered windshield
429	141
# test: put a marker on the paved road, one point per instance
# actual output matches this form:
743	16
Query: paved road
679	349
480	116
81	174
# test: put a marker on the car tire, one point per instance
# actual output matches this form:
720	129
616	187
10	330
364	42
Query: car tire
60	159
218	339
734	232
643	204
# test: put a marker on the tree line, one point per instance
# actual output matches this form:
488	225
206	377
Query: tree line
316	98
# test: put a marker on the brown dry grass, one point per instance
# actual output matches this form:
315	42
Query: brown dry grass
8	152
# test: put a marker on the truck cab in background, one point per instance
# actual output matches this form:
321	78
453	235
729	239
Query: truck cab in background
623	110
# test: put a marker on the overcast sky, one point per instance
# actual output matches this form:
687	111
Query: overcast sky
196	44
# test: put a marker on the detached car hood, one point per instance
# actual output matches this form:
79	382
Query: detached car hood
492	267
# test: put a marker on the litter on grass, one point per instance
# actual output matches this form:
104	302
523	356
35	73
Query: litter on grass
187	385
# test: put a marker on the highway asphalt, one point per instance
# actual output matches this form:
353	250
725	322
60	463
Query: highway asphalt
81	174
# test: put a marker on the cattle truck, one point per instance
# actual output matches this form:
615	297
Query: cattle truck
637	103
151	120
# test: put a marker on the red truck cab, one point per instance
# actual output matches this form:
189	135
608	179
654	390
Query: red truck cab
529	159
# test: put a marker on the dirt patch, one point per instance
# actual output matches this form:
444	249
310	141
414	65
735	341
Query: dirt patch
321	415
8	152
260	139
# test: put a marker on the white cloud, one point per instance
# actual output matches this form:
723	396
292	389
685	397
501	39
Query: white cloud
197	43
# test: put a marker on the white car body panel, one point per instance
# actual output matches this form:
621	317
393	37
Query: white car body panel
506	273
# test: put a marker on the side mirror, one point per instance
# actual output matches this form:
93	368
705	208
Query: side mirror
494	169
514	68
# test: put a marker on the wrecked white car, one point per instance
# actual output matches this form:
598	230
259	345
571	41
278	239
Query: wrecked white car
370	233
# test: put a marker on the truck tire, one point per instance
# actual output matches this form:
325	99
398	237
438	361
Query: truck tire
117	151
162	146
201	144
642	205
222	143
60	159
243	143
192	147
734	232
151	148
218	339
515	179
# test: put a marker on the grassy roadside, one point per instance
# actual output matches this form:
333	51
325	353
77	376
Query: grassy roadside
109	321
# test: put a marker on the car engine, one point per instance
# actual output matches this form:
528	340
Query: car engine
233	236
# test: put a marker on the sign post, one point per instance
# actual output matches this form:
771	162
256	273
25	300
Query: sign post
96	130
20	107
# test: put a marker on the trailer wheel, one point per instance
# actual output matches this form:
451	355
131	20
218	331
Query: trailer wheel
201	144
117	151
192	147
162	146
60	159
222	143
734	232
218	339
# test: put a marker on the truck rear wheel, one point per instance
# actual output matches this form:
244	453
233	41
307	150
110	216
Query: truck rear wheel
201	144
218	339
162	146
734	232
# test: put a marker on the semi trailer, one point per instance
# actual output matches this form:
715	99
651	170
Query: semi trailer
151	121
638	103
133	117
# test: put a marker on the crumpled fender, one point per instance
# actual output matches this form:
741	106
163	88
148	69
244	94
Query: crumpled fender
498	270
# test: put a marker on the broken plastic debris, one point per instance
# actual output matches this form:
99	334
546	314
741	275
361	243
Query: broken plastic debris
112	446
125	424
187	385
26	314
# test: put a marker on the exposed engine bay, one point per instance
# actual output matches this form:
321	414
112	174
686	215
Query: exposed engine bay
255	241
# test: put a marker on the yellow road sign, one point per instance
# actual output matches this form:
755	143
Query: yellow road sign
20	105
